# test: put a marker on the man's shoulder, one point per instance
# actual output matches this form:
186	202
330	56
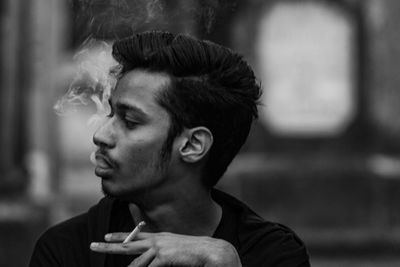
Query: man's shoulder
73	228
68	229
67	243
260	241
57	245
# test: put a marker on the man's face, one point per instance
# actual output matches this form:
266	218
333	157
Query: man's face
131	139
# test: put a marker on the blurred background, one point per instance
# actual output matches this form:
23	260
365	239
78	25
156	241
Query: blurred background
324	157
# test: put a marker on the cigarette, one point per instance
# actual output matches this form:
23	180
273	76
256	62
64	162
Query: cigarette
135	231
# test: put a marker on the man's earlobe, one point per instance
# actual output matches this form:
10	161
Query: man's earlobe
197	143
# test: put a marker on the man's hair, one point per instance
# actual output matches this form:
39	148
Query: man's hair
211	86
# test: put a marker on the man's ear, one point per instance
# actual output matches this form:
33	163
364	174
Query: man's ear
196	144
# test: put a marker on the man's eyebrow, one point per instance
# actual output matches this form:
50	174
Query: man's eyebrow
126	107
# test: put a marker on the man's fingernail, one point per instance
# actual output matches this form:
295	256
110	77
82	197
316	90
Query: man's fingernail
94	245
108	236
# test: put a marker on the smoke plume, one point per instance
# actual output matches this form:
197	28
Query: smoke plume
93	81
101	22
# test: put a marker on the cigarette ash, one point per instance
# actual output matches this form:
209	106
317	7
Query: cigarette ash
93	80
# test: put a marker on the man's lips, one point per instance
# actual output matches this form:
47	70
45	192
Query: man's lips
104	165
102	161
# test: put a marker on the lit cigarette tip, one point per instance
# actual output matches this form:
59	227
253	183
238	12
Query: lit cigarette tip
135	231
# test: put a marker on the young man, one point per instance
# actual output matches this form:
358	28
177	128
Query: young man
180	112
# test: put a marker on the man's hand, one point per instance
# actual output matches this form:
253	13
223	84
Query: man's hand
167	249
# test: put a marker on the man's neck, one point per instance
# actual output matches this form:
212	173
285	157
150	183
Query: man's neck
185	211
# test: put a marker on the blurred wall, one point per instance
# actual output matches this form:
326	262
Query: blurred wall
338	191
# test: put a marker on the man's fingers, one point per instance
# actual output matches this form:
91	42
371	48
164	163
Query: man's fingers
156	263
115	237
130	248
144	235
120	237
144	260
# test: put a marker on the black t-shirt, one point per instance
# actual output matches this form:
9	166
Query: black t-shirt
258	242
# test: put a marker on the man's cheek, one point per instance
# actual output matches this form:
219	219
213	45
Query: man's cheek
137	159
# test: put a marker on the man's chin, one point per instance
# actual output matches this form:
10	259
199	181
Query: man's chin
110	191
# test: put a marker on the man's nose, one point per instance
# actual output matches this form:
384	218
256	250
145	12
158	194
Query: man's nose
104	136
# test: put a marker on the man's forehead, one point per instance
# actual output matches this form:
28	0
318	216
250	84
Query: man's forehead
143	79
138	88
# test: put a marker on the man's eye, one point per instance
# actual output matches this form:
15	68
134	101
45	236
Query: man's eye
130	124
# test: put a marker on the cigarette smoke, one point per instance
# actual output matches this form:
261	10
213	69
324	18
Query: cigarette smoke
93	80
113	19
93	158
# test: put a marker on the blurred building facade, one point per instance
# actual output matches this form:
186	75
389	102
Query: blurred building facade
324	157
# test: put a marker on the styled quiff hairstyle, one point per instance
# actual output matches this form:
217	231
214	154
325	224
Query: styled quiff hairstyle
211	86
